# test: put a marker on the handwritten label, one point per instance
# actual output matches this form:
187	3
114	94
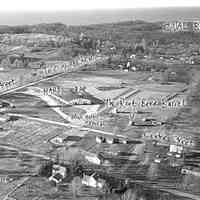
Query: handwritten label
80	101
183	140
146	103
94	123
52	90
89	119
7	84
181	26
5	179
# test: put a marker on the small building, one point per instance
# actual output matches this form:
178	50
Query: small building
176	149
58	174
93	181
194	172
57	178
92	158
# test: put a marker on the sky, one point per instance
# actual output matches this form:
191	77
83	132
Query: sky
62	5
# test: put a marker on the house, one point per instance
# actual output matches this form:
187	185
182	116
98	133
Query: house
56	178
175	150
93	181
58	174
194	172
92	158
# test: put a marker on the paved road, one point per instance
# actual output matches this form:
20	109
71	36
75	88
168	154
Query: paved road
32	83
65	124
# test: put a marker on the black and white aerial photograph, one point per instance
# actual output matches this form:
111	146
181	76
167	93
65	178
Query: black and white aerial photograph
100	100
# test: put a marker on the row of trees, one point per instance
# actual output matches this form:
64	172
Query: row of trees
30	41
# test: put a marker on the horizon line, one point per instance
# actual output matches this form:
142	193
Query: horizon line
99	9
